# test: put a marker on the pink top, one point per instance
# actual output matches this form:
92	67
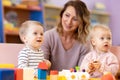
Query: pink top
109	61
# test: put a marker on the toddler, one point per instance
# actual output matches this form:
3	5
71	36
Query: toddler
100	59
31	33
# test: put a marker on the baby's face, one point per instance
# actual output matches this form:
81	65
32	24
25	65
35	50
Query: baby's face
102	40
34	36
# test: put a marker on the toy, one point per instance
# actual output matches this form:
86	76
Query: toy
18	74
6	74
53	75
108	76
42	70
74	75
7	66
83	75
28	73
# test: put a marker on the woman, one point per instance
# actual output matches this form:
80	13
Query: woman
65	45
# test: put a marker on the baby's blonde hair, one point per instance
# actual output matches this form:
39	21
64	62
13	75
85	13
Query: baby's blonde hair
98	26
24	27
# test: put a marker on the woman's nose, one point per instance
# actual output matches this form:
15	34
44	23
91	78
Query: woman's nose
69	21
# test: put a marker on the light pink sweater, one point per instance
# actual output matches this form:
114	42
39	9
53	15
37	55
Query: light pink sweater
108	60
58	56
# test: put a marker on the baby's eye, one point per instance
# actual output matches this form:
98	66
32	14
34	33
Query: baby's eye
41	34
109	38
35	33
102	38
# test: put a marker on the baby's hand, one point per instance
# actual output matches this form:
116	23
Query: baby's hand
91	67
97	64
47	62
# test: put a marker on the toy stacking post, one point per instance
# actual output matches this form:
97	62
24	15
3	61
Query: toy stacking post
53	75
77	68
42	71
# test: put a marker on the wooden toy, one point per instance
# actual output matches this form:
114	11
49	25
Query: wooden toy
7	66
53	75
18	74
42	71
28	73
7	74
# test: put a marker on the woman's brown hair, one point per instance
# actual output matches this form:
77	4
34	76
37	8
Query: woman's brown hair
84	17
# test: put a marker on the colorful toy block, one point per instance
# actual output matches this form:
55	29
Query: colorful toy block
42	74
18	74
28	73
7	74
42	71
7	66
43	65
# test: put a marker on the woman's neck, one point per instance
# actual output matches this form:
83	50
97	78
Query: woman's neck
68	35
67	40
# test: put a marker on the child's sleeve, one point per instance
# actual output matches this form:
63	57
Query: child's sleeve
85	62
22	59
112	65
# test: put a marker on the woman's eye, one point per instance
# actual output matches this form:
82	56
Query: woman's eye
75	19
66	15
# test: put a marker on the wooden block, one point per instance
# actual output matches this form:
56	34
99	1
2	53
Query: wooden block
18	74
7	66
42	65
42	74
7	74
28	74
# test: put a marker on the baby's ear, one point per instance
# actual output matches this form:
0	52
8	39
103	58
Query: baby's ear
93	42
23	39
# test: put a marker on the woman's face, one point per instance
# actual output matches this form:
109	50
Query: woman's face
70	20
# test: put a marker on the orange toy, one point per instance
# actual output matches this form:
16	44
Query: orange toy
108	76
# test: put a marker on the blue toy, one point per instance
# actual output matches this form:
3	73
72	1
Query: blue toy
7	74
42	71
